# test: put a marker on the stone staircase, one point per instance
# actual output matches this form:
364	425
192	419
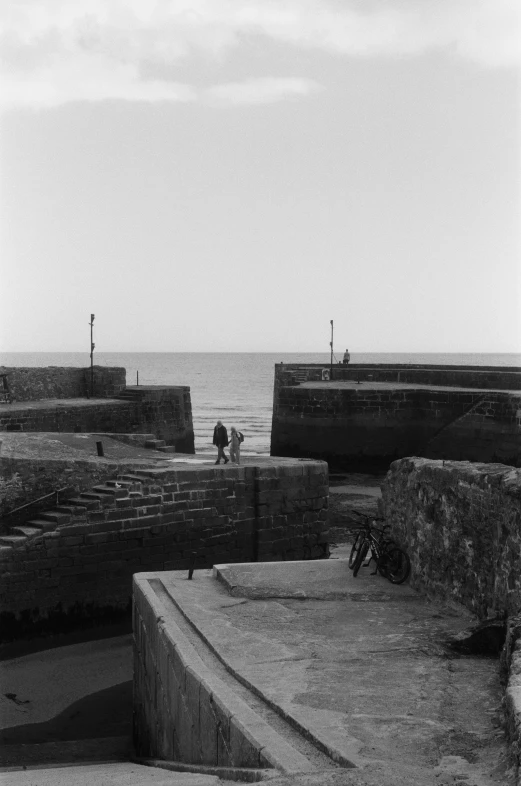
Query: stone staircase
130	395
80	509
159	444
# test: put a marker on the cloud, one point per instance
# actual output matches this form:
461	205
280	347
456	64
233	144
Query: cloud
258	91
55	51
87	78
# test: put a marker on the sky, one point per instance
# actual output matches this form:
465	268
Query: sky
230	175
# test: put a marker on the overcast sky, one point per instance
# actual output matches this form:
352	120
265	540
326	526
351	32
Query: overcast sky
229	175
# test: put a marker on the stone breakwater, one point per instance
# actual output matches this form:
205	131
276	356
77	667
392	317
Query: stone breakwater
365	418
65	400
77	563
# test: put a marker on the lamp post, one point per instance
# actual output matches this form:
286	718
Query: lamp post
92	345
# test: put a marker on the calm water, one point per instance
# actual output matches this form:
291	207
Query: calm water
235	387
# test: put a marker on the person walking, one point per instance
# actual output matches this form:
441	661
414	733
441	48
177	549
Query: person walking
235	446
220	440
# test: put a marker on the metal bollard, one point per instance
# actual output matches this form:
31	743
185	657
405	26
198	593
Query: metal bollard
191	568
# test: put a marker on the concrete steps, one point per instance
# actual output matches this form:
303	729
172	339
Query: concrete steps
75	510
41	524
130	395
155	444
25	531
11	540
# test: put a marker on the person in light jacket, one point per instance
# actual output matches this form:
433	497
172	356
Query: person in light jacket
220	440
235	446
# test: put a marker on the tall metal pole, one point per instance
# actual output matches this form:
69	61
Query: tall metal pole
331	345
92	345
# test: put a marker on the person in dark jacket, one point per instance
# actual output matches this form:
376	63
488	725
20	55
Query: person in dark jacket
220	440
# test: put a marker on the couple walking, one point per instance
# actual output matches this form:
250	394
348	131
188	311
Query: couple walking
221	441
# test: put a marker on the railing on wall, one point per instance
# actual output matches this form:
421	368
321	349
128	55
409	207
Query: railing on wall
55	494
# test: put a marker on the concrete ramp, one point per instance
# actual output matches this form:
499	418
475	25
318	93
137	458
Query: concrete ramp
303	668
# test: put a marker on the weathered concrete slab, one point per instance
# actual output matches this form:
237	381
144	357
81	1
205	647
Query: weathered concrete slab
362	673
317	579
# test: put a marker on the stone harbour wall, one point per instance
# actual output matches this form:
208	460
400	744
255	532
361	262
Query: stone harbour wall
111	417
80	566
461	525
165	412
371	427
34	384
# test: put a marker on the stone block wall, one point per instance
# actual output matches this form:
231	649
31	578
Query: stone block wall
511	666
83	568
182	710
89	416
34	384
368	426
461	525
165	412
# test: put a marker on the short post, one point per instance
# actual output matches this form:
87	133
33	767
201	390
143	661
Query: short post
191	568
137	377
99	446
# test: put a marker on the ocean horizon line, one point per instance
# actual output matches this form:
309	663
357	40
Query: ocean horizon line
246	352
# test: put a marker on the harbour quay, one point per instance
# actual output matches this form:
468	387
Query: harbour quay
363	417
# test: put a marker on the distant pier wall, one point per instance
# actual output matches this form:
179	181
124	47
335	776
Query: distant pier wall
370	425
50	382
58	399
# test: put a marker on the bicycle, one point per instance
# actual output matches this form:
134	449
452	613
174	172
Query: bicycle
391	561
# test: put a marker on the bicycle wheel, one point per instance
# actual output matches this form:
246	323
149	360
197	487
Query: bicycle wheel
395	565
355	548
360	557
382	550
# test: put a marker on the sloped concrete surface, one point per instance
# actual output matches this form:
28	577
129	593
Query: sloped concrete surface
358	665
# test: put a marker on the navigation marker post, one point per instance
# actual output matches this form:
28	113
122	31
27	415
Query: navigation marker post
331	345
92	345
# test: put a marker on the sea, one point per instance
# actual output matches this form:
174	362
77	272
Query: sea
237	387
